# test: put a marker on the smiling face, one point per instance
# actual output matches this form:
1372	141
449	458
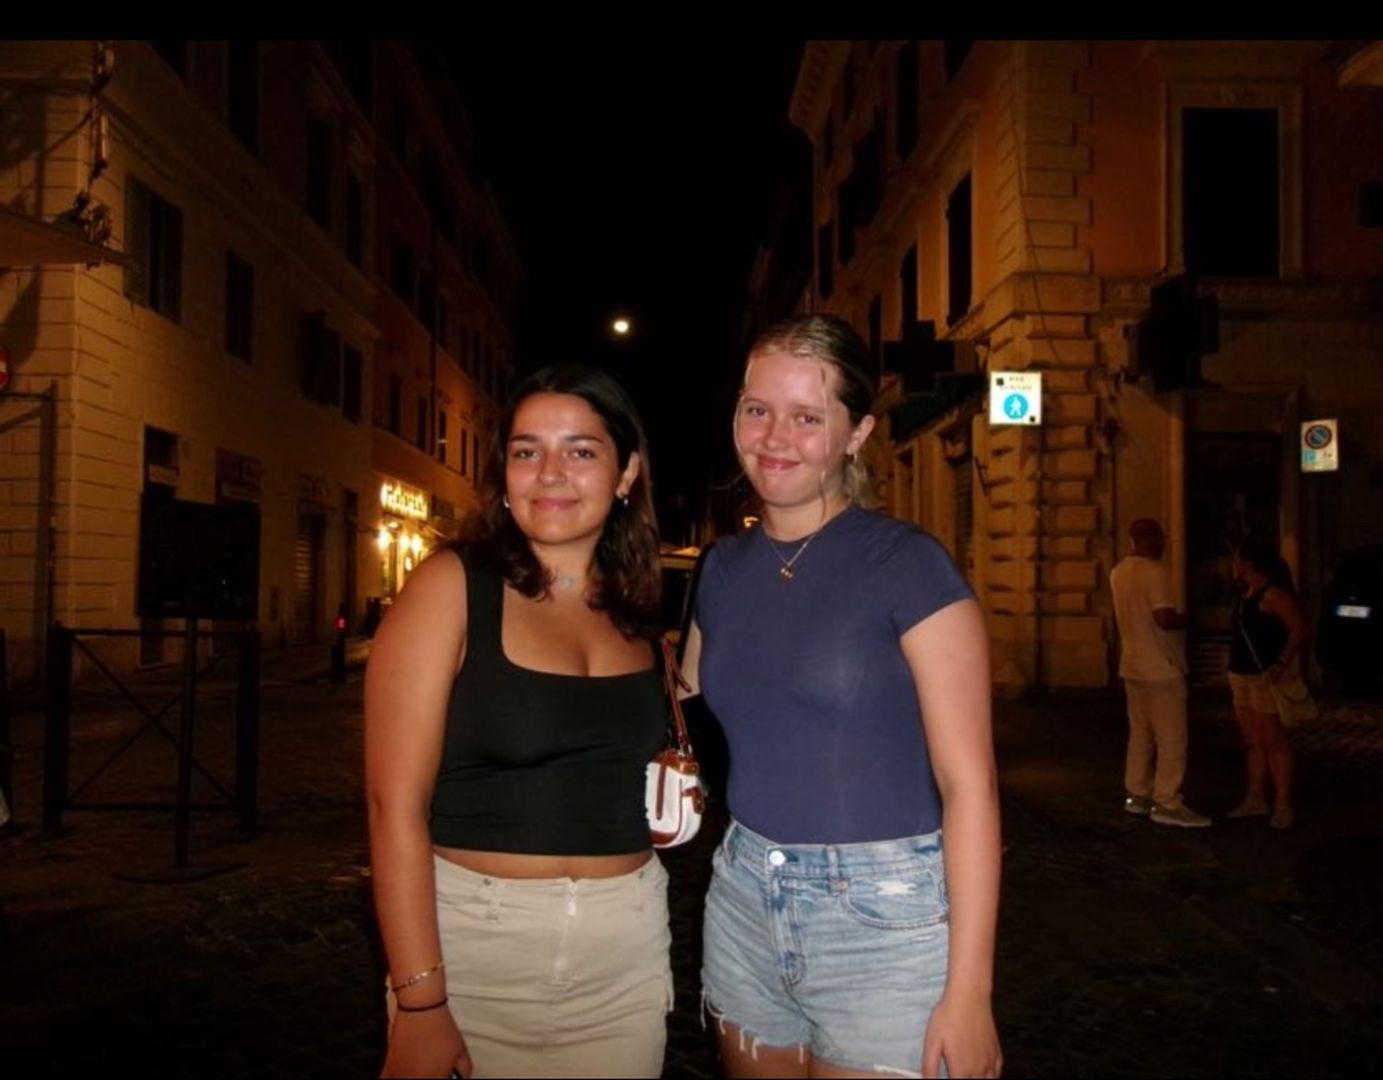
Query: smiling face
562	472
792	432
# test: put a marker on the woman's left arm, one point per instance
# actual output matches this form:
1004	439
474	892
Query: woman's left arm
948	653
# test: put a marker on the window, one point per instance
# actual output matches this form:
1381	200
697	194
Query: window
907	282
442	330
242	91
845	218
153	241
321	360
319	171
240	305
398	130
403	273
958	256
352	383
825	262
353	60
442	436
906	89
427	299
395	405
1231	211
954	52
174	54
355	220
876	328
420	435
1371	204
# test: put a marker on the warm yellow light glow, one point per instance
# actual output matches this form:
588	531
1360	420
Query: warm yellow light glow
620	326
384	539
416	543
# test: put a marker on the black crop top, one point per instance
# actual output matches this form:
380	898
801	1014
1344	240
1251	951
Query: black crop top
538	763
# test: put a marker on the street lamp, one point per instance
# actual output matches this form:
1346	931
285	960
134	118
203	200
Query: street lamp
620	326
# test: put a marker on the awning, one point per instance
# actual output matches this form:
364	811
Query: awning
26	241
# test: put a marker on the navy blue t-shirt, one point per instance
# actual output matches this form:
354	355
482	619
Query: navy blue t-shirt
809	681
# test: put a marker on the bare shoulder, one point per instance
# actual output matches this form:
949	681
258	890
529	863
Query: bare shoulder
431	607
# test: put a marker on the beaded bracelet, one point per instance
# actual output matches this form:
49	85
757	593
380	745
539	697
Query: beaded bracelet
420	1008
413	980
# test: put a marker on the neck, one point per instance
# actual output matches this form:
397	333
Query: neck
796	522
566	564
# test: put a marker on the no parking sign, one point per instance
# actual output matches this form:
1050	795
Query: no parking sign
1320	446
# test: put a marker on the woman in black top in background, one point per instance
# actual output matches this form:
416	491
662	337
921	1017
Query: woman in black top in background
1268	635
512	702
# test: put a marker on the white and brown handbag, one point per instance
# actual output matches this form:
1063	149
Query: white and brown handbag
673	792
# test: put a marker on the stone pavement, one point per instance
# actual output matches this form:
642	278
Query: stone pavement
1126	949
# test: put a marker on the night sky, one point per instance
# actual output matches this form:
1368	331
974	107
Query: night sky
637	177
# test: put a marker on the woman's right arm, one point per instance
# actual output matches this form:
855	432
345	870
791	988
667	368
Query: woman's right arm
413	661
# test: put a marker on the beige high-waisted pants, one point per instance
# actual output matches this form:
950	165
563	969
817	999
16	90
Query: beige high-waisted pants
558	976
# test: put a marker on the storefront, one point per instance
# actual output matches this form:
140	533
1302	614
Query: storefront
404	536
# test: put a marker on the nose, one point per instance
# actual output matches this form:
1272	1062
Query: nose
550	470
778	433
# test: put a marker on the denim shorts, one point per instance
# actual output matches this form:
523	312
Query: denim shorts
837	950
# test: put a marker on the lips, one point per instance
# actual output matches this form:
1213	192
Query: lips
550	504
774	464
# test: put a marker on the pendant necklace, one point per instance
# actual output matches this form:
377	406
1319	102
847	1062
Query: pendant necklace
786	571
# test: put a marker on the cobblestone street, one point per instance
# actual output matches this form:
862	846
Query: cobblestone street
1126	949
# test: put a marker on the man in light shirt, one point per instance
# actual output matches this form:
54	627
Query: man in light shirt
1152	664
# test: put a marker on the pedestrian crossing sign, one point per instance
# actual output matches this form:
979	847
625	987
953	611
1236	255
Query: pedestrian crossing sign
1015	397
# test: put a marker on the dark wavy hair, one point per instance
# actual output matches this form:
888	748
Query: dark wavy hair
628	588
1263	556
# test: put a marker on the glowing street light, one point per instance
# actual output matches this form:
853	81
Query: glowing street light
620	326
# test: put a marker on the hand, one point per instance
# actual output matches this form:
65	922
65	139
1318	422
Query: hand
961	1032
426	1044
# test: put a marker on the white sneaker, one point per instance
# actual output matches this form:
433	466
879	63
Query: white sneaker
1179	815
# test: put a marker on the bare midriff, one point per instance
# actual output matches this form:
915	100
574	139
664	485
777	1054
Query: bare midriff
507	864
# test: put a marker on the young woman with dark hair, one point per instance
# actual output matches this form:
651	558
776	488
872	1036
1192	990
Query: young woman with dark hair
512	702
1269	634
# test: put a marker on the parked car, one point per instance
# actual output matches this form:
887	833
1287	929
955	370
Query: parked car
1349	640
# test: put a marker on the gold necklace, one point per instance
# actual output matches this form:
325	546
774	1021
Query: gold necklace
786	572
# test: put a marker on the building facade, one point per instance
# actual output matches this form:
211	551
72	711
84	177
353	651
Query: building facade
221	338
991	206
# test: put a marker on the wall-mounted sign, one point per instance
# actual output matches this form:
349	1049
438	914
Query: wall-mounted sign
1015	397
1320	446
405	501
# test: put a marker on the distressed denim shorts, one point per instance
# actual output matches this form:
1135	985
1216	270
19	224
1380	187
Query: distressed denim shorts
837	950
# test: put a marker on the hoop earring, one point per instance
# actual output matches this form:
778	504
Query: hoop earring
505	499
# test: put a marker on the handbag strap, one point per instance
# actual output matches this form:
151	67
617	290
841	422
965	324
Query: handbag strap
673	680
1243	630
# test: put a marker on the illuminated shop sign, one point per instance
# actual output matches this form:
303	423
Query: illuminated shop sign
403	500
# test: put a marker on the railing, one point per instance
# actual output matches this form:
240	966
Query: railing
59	795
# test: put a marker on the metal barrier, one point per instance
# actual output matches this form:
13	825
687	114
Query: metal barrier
243	796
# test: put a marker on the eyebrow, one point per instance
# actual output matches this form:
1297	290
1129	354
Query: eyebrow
580	437
791	405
